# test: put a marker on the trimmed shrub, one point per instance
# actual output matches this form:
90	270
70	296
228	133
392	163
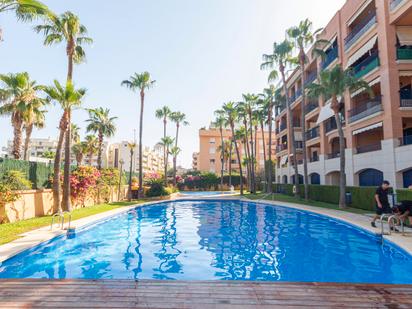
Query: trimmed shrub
404	195
157	189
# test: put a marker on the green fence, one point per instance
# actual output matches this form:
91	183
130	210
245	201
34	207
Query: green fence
362	197
38	173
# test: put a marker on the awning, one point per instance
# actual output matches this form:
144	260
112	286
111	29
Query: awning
358	12
283	160
362	51
374	82
405	73
404	34
325	113
368	128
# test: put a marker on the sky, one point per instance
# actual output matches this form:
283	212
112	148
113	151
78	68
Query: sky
201	54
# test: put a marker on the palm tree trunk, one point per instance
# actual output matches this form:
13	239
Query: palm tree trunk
164	150
222	157
291	130
264	152
342	184
99	153
230	162
177	133
252	158
29	131
70	52
174	170
270	167
66	178
249	173
303	125
140	192
232	126
57	163
17	136
129	192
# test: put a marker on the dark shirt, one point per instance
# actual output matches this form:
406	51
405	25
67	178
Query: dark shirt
383	196
405	206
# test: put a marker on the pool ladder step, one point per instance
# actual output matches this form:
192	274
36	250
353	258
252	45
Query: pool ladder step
60	217
389	218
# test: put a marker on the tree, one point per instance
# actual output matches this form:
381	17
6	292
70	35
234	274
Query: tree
68	97
25	10
131	147
302	37
280	58
140	82
164	113
174	151
18	95
92	146
220	122
101	123
231	116
34	116
66	28
333	84
75	132
179	119
167	143
79	150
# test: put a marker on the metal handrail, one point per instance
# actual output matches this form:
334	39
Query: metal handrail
61	219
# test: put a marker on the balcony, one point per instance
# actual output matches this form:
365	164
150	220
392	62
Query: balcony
406	140
366	66
312	133
404	53
292	98
298	94
369	148
281	147
360	29
313	159
296	123
281	128
310	78
365	109
395	4
330	125
332	155
331	56
311	106
299	144
406	102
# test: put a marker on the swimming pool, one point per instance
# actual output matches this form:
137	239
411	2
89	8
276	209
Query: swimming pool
216	240
204	193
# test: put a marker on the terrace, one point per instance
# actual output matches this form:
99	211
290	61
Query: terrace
313	133
360	26
331	55
365	108
365	66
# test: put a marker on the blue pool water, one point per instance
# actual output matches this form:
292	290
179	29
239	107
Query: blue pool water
216	240
204	193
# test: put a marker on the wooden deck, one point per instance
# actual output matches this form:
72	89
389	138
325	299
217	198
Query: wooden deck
183	294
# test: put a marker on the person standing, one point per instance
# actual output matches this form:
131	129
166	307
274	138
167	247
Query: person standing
382	201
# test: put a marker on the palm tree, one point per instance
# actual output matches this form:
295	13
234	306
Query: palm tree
101	123
268	97
68	97
75	133
25	10
66	28
333	84
220	122
224	151
92	147
167	143
280	58
302	36
34	116
164	113
140	82
179	119
231	116
80	149
131	147
174	151
17	95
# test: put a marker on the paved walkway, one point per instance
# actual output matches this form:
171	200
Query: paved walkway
200	294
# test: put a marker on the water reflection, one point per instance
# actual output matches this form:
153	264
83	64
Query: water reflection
215	240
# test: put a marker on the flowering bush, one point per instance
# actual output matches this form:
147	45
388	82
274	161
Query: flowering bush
204	181
83	181
153	177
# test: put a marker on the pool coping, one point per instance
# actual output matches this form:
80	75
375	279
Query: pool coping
36	237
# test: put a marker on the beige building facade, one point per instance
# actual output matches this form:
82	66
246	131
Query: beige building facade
374	39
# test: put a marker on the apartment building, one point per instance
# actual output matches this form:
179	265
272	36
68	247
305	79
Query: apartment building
152	158
374	39
208	159
39	146
195	161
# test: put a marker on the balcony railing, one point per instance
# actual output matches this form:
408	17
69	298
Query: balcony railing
395	3
369	148
312	133
331	55
333	155
406	102
281	147
282	127
311	77
406	140
311	106
330	125
298	94
404	54
299	144
296	123
366	65
292	98
365	109
360	29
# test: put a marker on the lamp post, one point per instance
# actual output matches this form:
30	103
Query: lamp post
120	178
131	147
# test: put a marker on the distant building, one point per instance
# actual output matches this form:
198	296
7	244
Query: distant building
195	161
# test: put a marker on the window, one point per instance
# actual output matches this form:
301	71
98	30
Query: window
212	140
212	161
212	150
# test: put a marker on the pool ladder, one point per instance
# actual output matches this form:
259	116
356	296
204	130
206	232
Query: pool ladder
390	219
60	216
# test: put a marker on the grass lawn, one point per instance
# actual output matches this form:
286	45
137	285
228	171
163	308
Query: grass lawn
292	199
11	231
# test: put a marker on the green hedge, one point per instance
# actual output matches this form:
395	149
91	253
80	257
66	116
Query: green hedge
362	197
38	173
404	195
